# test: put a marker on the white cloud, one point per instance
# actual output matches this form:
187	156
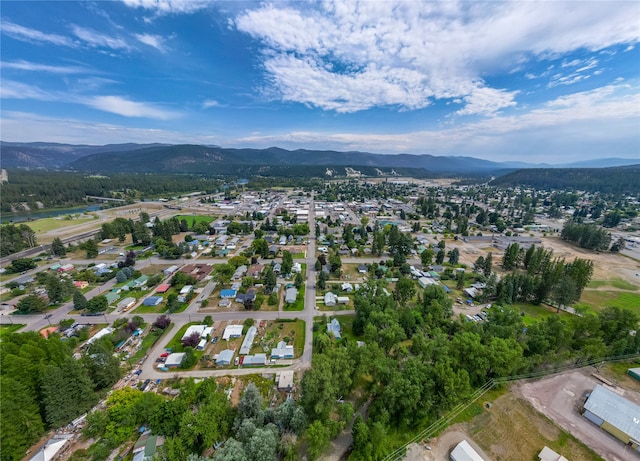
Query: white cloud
98	39
113	104
35	67
592	123
209	103
121	106
155	41
339	55
32	35
169	6
487	101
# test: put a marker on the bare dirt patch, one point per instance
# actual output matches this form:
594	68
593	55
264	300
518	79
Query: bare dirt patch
560	397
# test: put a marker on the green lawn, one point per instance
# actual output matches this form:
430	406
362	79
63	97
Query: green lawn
40	226
191	219
533	313
594	299
616	283
6	329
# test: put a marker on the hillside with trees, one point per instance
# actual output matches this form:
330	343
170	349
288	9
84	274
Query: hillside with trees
616	180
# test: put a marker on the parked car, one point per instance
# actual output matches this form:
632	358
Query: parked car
164	354
215	339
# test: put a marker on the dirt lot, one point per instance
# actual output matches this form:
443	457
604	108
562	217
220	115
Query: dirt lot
607	266
559	398
532	415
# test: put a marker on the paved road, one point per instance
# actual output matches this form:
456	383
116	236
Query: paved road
37	322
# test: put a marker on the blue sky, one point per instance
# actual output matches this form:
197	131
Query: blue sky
531	81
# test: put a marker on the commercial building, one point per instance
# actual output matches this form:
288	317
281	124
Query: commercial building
615	414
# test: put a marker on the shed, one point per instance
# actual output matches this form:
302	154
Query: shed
547	454
634	373
465	452
342	299
248	341
290	295
174	360
153	301
224	357
615	414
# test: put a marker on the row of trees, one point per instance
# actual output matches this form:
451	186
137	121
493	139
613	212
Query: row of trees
538	276
589	236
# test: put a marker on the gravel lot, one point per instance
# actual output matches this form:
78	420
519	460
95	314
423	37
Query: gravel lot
559	398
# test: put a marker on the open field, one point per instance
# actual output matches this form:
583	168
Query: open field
42	225
510	430
596	299
615	283
192	219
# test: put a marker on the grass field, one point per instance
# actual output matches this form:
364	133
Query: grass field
513	430
536	313
40	226
6	329
192	219
616	283
596	299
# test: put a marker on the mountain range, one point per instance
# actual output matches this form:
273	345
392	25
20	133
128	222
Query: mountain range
215	160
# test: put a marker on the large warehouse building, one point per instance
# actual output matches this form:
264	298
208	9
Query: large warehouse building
615	414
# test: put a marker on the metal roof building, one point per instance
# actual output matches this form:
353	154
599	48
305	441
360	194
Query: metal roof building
465	452
248	341
224	357
174	360
615	414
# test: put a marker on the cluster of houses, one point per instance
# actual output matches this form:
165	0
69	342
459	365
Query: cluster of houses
226	356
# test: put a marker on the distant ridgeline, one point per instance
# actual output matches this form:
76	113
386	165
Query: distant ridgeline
615	180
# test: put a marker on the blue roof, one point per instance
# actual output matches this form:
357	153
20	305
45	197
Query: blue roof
228	293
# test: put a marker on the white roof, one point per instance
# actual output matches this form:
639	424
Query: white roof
194	329
547	454
206	331
174	359
285	379
464	452
50	450
232	330
104	332
186	289
248	340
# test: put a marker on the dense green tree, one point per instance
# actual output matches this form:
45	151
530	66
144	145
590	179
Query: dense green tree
91	247
58	248
67	392
31	304
21	421
287	262
101	365
79	301
317	437
98	304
